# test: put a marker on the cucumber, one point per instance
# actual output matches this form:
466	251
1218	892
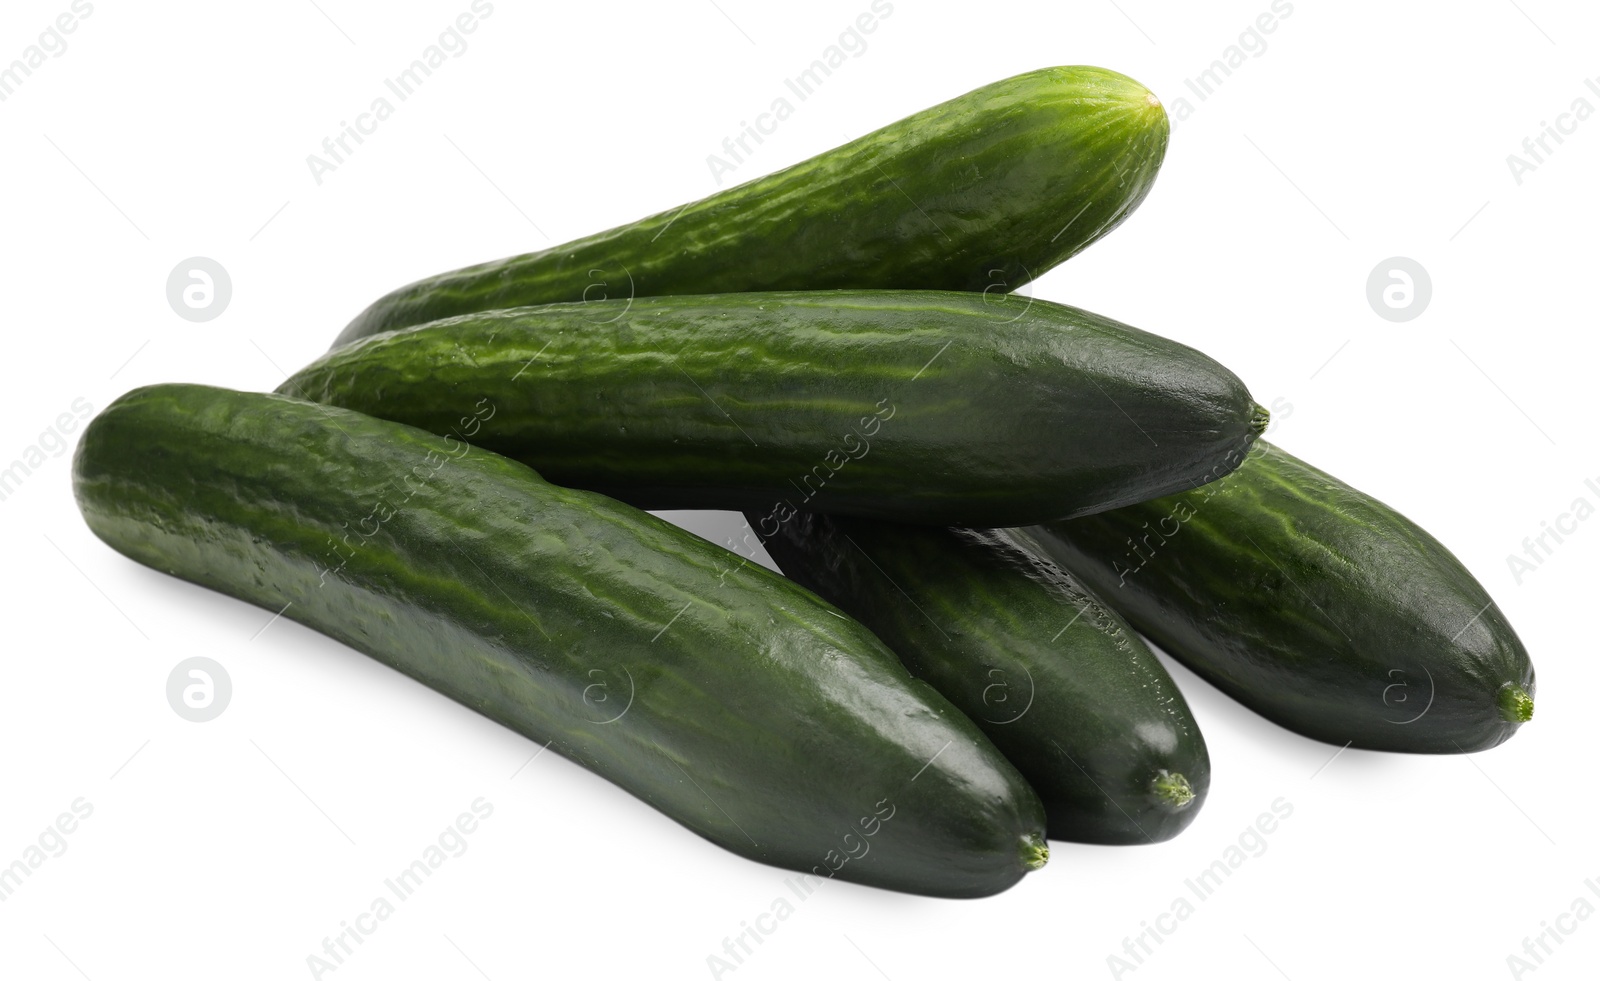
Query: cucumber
1313	604
984	192
739	704
937	407
1065	688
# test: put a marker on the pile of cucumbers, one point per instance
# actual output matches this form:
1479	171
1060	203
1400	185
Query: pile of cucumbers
977	499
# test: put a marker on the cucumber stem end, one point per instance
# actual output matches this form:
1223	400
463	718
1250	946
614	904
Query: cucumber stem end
1035	852
1259	417
1172	789
1516	705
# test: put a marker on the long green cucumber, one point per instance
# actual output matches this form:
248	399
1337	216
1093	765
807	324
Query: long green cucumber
730	699
983	192
1313	604
1065	688
939	407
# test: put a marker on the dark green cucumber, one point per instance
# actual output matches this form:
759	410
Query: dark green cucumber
1065	688
728	698
938	407
983	192
1313	604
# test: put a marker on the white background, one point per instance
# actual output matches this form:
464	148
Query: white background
231	848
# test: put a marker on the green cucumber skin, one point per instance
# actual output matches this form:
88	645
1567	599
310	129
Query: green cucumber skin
925	406
1310	602
757	710
1060	683
984	192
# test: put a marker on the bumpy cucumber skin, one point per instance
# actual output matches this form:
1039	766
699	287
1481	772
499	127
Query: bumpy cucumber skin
1064	687
739	704
984	192
924	406
1312	603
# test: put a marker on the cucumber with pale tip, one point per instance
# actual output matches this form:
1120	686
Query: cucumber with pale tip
984	192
